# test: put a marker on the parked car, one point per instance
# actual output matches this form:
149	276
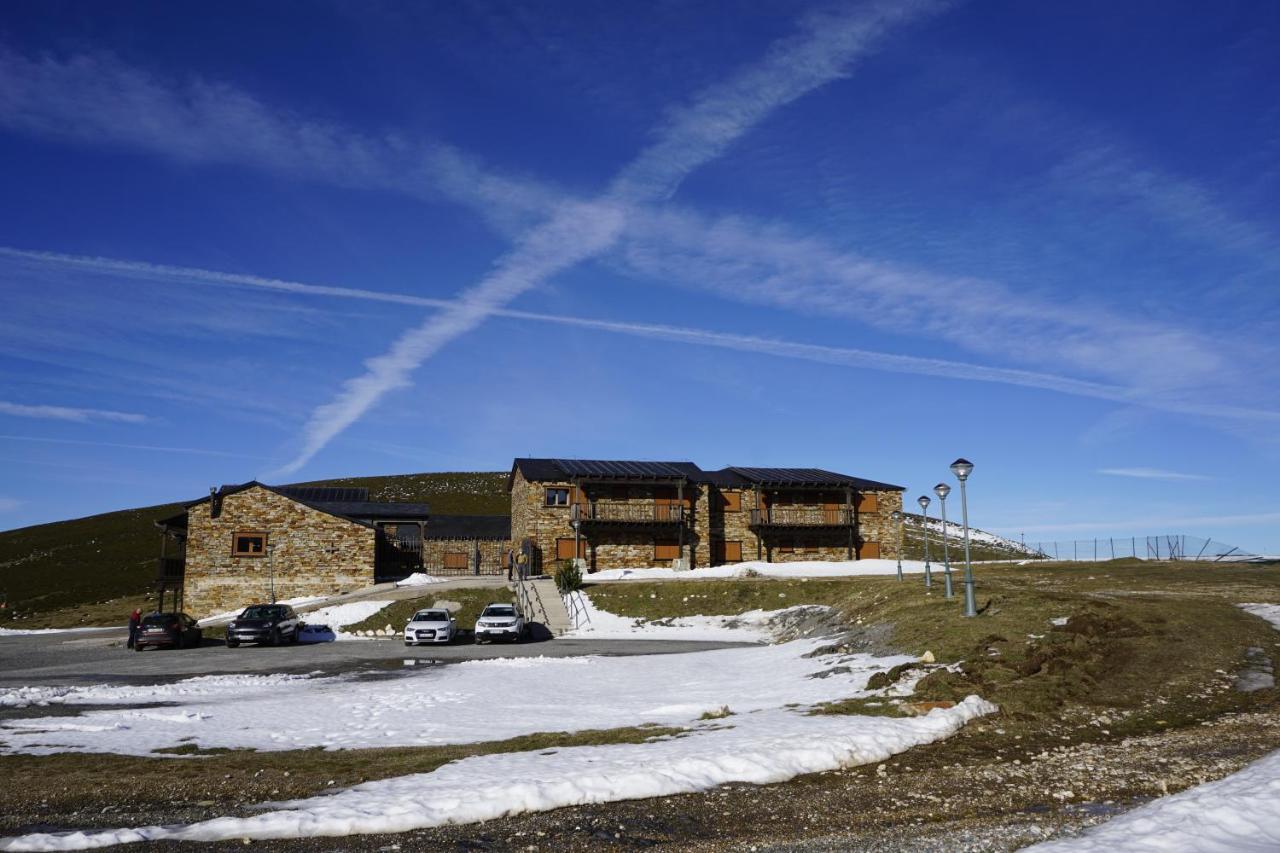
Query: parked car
430	626
264	623
499	622
176	630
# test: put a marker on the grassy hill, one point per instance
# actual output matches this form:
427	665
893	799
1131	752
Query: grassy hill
109	557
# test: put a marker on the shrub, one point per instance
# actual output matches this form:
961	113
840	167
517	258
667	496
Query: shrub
568	577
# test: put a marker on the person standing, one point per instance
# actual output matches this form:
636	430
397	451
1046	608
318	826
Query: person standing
135	618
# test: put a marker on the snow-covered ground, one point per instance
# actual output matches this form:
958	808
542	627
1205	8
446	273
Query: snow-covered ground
1238	814
419	579
202	687
460	703
751	627
19	632
799	569
339	616
768	745
224	618
1270	612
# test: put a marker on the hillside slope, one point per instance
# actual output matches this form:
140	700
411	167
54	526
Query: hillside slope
102	557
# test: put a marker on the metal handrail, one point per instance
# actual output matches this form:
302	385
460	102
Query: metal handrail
575	603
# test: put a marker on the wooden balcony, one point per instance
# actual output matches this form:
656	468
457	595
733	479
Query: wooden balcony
802	517
638	514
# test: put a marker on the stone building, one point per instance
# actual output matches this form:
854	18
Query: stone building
620	514
252	542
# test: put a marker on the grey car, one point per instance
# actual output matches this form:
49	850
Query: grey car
271	624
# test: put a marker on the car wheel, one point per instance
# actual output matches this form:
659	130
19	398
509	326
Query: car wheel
137	647
296	635
233	644
275	636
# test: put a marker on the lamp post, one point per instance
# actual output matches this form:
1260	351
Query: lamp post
942	490
271	569
962	468
923	500
897	517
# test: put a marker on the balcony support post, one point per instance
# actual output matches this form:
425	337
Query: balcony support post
849	517
680	509
577	520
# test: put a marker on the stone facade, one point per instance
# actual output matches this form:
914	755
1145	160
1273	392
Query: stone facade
716	519
308	552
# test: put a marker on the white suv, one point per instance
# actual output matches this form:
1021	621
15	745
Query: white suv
430	626
499	622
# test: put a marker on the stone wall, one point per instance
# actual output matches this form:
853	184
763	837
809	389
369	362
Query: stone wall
312	553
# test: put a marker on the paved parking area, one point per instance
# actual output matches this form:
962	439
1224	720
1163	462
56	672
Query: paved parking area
100	657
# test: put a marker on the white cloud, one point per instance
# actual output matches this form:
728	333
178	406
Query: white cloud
576	231
66	413
1150	474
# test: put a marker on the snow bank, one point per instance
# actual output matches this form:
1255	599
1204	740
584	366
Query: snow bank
19	632
1270	612
1237	814
339	616
202	687
419	579
750	627
799	569
459	703
760	748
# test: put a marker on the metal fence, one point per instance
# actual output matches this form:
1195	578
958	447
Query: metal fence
1175	546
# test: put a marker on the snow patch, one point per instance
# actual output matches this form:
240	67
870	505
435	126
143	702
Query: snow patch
798	569
419	579
1270	612
750	627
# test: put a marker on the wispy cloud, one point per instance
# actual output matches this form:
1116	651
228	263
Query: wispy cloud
149	448
694	134
9	504
67	413
841	356
1150	474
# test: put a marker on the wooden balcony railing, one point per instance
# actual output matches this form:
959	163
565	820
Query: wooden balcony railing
802	517
629	513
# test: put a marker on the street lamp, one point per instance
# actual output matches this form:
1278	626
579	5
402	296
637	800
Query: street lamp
962	468
923	500
271	569
897	517
942	490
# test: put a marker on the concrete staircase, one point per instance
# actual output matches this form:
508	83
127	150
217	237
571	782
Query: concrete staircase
540	603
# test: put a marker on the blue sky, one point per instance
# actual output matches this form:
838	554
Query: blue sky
312	240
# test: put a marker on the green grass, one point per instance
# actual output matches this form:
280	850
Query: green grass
68	782
713	597
63	569
472	600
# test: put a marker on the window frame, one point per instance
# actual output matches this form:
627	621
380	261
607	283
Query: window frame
546	496
235	542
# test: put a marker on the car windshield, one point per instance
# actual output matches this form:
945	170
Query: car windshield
500	610
430	616
160	619
262	612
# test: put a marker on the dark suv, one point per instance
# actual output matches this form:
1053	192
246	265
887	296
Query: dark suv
176	630
264	623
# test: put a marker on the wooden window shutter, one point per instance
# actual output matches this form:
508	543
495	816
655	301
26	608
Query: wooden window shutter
666	549
733	552
564	549
867	503
456	560
869	551
732	501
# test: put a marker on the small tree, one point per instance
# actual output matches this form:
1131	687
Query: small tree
568	577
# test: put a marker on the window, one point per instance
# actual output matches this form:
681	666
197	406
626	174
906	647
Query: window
456	560
732	501
564	549
867	503
557	497
733	552
249	545
666	549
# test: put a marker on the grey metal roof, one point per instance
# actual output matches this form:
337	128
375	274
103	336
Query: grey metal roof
469	527
543	470
808	477
325	494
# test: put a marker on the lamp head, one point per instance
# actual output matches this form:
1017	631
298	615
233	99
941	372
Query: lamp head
962	468
895	516
942	490
923	500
